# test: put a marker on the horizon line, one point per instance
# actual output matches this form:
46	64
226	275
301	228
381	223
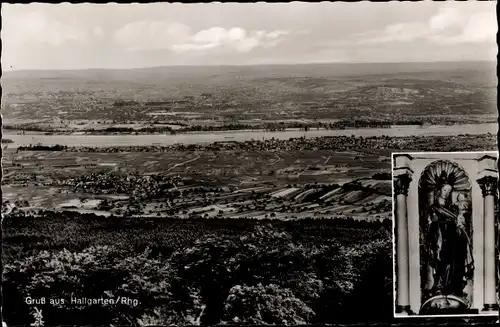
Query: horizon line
252	65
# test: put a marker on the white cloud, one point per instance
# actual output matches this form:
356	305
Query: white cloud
235	38
98	31
446	17
217	35
449	26
276	34
406	32
35	28
481	27
190	47
151	35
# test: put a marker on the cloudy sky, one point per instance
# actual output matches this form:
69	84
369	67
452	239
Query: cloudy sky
75	36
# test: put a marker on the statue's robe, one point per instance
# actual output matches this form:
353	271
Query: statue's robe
450	251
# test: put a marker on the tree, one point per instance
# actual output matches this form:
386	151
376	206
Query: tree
270	304
267	255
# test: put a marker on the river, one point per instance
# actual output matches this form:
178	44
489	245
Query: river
209	137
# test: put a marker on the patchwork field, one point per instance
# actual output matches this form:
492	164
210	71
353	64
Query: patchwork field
297	178
211	184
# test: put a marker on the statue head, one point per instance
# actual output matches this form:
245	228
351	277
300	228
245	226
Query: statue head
461	197
445	183
462	202
446	190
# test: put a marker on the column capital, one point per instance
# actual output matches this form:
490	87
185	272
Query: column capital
401	160
489	185
487	156
401	183
407	155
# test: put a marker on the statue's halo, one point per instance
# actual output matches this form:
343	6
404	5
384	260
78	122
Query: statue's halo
454	175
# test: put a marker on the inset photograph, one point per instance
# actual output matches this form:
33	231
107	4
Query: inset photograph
445	218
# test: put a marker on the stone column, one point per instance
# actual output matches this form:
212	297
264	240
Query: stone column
401	184
489	189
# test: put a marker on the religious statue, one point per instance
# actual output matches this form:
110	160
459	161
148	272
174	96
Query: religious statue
446	238
449	244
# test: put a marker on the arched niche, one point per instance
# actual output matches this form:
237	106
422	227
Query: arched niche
445	237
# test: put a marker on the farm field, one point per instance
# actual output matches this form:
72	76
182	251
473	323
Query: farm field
211	184
263	179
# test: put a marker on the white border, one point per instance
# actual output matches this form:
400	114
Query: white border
393	225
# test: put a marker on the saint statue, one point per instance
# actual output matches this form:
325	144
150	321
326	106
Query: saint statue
449	248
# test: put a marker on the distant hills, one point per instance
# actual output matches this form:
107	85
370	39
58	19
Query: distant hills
310	70
267	92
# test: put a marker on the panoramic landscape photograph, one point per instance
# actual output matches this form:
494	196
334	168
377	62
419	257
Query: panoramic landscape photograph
231	164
